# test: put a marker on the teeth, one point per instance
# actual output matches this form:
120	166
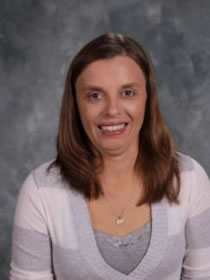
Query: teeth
112	127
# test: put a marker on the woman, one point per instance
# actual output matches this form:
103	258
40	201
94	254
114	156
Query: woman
119	202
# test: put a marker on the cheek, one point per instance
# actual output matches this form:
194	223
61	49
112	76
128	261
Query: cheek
88	119
137	109
84	119
83	112
139	112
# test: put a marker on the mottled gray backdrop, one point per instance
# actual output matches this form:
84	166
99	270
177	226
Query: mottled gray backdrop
38	39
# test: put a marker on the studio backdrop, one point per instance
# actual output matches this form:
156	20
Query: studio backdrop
39	38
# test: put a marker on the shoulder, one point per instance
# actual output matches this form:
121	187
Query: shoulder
46	176
186	163
195	185
41	181
192	169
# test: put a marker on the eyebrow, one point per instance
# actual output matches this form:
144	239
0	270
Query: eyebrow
131	85
98	88
92	88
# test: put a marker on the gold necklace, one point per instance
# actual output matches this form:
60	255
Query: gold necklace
120	220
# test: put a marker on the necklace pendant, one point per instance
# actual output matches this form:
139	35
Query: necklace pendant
120	221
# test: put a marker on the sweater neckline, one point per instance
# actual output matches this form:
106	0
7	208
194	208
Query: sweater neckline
89	249
136	232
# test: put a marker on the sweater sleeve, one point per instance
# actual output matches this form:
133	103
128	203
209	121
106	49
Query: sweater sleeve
31	245
196	264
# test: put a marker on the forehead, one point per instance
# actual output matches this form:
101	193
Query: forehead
115	70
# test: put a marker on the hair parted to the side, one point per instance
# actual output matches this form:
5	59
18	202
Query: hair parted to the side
157	159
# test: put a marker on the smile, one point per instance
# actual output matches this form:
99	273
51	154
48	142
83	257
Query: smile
113	127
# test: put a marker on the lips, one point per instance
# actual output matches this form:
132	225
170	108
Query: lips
113	126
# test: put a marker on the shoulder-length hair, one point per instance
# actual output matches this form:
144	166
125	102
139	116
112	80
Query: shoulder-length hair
157	158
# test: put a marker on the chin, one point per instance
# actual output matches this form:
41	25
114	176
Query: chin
114	151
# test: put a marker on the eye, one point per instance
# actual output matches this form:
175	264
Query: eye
93	96
128	92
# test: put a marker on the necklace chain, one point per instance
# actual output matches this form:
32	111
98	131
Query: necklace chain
119	220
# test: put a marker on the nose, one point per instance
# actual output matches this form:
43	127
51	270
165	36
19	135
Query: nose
112	107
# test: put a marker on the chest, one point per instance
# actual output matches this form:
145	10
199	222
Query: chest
84	260
73	264
109	218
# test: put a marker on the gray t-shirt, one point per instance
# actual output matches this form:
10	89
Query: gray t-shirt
124	253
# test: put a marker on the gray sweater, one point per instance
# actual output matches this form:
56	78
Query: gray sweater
53	237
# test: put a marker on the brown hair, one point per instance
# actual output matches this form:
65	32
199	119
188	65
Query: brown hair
157	159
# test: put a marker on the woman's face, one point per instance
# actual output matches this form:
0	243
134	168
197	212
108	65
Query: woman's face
111	97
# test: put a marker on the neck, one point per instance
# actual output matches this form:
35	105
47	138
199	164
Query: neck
118	175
